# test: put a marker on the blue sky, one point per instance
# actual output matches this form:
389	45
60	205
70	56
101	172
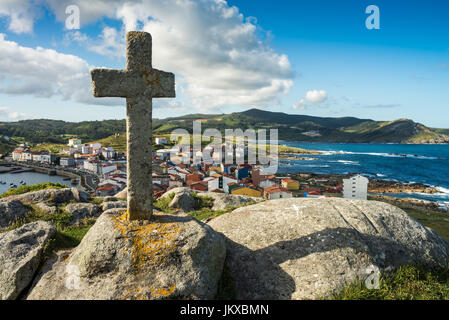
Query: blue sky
303	57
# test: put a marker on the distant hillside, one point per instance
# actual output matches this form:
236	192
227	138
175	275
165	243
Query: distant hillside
315	129
291	128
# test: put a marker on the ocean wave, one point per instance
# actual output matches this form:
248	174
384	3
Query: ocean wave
348	162
379	154
314	165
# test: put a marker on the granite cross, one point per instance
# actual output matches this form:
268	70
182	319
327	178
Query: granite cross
139	83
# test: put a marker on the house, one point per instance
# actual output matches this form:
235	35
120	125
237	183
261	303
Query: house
163	180
17	155
355	187
191	178
74	142
266	183
36	156
48	158
244	190
27	156
95	147
212	183
67	162
86	149
290	184
225	180
199	186
241	173
276	193
107	168
107	190
160	140
313	194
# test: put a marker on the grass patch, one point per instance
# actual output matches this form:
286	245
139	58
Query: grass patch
35	187
97	200
66	238
162	204
202	202
206	213
407	283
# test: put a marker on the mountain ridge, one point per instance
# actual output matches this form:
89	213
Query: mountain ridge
290	127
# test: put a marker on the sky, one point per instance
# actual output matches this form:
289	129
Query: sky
299	57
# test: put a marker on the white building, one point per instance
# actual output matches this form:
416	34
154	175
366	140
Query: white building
67	162
74	142
161	140
355	187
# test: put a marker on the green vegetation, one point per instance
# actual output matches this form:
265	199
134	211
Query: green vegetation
53	148
67	236
55	131
407	283
162	203
35	187
117	141
290	128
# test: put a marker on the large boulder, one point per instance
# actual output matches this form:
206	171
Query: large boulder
222	201
57	196
11	211
20	255
170	257
181	199
309	248
81	211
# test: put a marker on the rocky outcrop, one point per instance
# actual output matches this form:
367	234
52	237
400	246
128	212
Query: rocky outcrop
110	199
56	196
223	201
46	208
11	211
122	194
113	205
308	248
181	199
81	211
171	257
20	256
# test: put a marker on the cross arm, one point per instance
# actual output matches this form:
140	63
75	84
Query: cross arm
125	84
111	83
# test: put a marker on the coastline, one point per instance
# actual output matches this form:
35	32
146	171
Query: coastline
381	190
50	171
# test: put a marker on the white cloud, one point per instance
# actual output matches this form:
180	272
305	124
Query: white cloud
45	73
20	14
312	97
7	114
214	50
217	53
316	96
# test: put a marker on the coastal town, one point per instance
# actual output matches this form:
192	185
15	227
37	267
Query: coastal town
109	167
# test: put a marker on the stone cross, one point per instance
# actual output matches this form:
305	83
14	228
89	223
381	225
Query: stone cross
139	83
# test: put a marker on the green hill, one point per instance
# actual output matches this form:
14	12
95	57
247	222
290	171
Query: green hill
290	128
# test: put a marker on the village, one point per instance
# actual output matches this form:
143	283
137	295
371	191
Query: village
235	179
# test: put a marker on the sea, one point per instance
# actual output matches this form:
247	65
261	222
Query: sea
29	178
407	163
